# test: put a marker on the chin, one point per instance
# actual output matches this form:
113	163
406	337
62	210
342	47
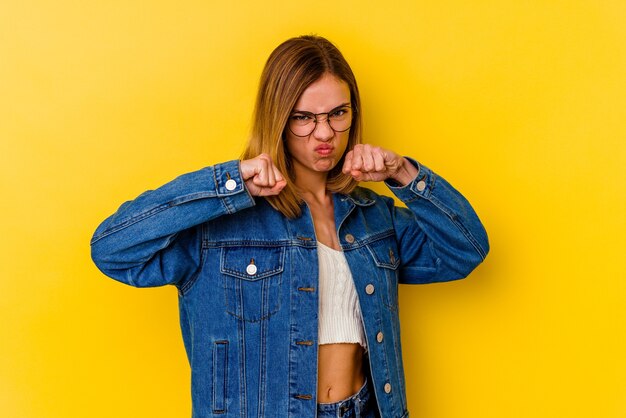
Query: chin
325	165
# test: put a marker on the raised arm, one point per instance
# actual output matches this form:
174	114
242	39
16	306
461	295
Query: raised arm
440	235
154	240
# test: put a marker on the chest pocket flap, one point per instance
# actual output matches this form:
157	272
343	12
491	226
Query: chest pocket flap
385	253
252	263
252	277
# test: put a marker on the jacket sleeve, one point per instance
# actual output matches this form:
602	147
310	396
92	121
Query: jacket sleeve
440	235
156	239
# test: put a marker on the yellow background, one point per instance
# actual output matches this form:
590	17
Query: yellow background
520	104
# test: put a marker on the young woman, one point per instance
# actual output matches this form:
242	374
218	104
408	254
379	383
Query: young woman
286	270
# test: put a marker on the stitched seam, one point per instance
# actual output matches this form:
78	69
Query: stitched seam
460	227
151	212
187	286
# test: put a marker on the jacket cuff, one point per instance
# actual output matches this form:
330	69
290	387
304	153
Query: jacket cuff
420	186
231	188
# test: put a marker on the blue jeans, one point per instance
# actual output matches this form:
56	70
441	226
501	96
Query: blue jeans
360	405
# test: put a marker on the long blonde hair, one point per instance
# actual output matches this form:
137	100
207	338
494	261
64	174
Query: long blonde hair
290	69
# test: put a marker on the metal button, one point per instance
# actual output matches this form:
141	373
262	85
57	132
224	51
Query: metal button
349	238
421	185
251	269
231	185
387	387
379	337
369	289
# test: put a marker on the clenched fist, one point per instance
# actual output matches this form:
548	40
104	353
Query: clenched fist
261	176
369	163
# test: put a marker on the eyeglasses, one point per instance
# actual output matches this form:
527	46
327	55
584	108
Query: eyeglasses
304	123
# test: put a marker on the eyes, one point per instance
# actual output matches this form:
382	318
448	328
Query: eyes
338	113
308	117
303	124
302	117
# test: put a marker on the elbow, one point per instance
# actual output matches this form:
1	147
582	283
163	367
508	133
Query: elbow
476	249
464	262
105	266
482	247
98	256
473	258
108	265
102	256
119	268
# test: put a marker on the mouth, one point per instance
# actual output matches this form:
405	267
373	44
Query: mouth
324	150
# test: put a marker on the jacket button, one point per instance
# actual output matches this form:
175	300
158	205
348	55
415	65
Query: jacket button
369	289
387	387
379	337
421	185
251	269
349	238
230	185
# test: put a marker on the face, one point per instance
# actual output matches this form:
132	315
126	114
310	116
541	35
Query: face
323	148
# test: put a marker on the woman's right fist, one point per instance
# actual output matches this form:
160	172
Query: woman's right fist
261	176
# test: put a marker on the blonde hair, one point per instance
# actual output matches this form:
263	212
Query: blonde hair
292	67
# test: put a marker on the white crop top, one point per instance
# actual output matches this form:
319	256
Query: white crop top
340	319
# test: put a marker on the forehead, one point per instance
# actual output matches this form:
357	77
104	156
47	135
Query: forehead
324	94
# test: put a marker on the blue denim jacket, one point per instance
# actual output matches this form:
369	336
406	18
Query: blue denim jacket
247	280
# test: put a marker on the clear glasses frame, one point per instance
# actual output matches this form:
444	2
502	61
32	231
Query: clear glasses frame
303	124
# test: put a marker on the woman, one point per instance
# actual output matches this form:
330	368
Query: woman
287	272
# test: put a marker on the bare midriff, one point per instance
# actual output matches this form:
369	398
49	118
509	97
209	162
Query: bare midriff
340	371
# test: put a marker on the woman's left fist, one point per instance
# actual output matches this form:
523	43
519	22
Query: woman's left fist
369	163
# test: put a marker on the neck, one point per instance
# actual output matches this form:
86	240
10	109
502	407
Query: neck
312	185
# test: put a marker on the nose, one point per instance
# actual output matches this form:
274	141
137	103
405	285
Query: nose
323	131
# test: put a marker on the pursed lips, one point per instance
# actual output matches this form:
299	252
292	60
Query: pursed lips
324	149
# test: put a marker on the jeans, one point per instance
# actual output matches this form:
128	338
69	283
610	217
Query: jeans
360	405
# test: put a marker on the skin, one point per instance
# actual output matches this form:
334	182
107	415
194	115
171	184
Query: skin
340	371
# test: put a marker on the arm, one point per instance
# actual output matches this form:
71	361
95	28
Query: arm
440	236
154	239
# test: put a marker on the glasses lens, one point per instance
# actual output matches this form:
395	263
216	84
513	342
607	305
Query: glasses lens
340	119
301	124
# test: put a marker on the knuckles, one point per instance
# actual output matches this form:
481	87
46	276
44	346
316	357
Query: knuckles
264	157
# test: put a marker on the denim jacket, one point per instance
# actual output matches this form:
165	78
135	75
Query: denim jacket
247	280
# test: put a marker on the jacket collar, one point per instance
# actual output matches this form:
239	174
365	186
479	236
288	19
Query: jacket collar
345	203
360	197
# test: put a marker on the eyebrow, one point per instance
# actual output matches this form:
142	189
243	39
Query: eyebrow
334	108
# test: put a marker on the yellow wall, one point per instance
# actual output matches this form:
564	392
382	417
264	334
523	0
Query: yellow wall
520	104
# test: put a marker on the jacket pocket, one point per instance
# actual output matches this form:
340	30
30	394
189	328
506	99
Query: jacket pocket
220	372
251	278
384	253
